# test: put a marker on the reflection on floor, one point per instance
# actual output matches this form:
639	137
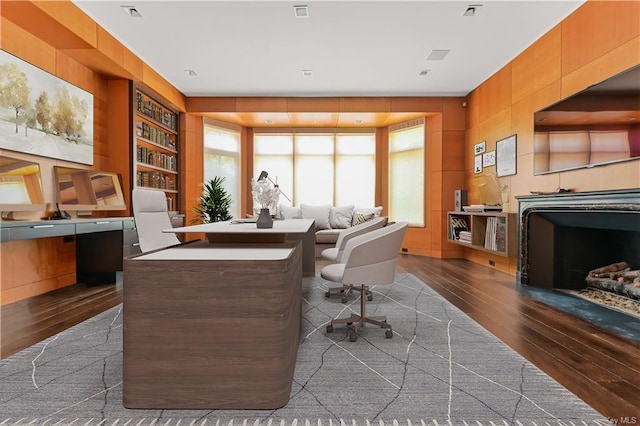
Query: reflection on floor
609	319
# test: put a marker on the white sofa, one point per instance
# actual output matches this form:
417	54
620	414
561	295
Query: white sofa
329	220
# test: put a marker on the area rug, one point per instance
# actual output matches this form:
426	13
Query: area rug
440	367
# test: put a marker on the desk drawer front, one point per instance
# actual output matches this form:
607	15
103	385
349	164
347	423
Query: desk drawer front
98	226
42	231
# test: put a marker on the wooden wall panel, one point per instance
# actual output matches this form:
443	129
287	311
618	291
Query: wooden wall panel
410	104
537	66
31	267
361	104
26	46
330	105
453	114
261	105
191	161
596	28
495	93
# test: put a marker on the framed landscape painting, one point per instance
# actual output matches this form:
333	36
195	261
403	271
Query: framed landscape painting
41	114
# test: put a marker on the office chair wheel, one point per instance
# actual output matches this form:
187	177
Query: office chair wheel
353	336
344	299
369	297
327	294
388	334
329	328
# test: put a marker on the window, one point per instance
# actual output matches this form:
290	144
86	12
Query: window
222	158
406	172
320	168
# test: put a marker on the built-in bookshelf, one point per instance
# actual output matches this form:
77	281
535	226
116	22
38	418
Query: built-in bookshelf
493	232
156	155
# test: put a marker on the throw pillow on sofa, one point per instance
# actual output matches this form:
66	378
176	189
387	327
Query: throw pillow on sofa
341	217
360	217
318	213
288	212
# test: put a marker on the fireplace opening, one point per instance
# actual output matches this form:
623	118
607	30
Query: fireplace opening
565	236
563	246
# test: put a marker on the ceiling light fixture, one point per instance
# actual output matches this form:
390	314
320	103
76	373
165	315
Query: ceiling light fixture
268	121
301	11
307	73
424	72
359	121
472	9
438	54
191	72
131	11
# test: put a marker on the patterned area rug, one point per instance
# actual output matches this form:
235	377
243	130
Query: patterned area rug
440	367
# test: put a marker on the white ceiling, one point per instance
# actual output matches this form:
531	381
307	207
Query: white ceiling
355	48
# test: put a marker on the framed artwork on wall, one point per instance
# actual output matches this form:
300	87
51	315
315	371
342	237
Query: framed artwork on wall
41	114
506	156
477	164
480	147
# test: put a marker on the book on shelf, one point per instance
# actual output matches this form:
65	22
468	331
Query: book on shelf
495	234
464	237
457	224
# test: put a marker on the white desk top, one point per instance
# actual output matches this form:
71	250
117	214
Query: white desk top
286	226
202	250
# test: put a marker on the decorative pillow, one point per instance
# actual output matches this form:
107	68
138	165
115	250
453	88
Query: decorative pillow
340	217
360	217
288	212
377	211
318	213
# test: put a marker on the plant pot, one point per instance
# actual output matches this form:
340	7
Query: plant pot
264	219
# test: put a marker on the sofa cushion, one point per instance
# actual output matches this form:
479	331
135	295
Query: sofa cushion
377	211
360	217
341	217
318	213
327	236
288	212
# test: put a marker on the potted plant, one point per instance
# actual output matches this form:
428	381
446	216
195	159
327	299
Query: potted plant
214	203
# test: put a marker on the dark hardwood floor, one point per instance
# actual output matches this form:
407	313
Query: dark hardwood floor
601	368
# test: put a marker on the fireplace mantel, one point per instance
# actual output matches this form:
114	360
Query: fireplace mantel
609	210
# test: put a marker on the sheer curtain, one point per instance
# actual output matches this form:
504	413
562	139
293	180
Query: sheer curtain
222	158
406	172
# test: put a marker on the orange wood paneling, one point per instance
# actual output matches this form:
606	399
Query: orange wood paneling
361	104
611	63
453	114
411	104
73	71
261	105
191	159
331	105
27	47
31	267
314	119
537	66
616	22
119	110
60	23
495	93
210	104
453	150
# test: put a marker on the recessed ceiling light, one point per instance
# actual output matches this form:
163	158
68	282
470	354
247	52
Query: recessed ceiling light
359	121
438	54
301	11
307	73
191	72
472	9
268	121
131	11
424	72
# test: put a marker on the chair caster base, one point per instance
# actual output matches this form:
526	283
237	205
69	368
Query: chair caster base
388	334
329	328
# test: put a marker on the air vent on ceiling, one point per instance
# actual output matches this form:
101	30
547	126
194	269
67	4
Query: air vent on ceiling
438	54
131	11
301	11
424	72
472	9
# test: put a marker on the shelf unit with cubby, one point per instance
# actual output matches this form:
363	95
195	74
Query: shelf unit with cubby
491	232
156	146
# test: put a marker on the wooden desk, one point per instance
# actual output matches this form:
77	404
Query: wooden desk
211	327
288	229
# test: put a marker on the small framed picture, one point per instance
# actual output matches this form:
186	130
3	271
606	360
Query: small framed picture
506	156
480	147
477	164
489	159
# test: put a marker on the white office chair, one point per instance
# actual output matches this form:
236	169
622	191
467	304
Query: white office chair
151	217
336	253
369	259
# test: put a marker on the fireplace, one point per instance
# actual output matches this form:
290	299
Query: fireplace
564	236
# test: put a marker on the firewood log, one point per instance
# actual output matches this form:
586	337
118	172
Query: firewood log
614	267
